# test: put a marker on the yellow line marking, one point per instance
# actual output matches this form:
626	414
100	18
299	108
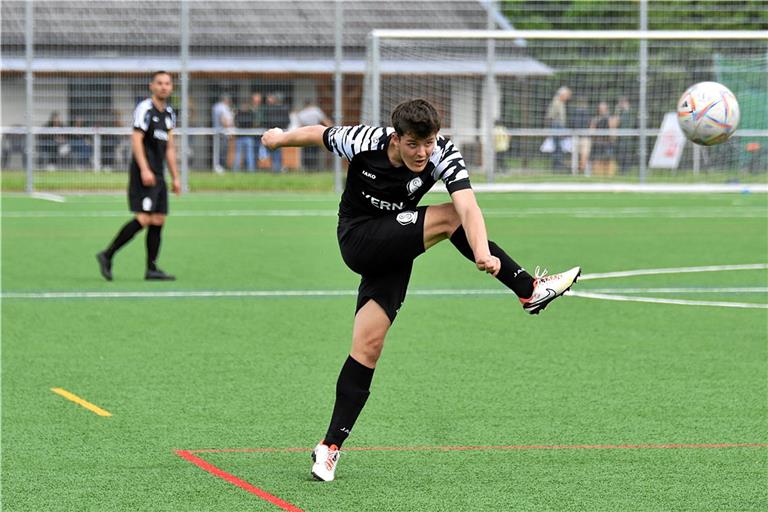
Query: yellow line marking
79	401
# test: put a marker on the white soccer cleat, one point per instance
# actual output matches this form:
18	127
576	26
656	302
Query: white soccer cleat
325	458
548	288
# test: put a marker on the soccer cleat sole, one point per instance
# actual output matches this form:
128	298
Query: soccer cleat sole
540	308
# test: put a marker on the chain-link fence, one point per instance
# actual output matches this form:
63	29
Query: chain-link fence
73	72
538	105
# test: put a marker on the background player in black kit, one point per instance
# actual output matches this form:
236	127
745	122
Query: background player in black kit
382	230
151	145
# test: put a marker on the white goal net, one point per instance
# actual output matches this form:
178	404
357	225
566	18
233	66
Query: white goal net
576	106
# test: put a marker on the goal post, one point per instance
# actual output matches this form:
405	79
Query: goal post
576	106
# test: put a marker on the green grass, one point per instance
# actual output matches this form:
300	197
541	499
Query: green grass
88	181
192	373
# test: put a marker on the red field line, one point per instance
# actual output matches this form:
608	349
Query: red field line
207	466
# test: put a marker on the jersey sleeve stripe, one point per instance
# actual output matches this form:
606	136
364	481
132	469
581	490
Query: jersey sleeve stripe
141	115
348	141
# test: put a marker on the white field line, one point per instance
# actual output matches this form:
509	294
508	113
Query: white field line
45	196
677	270
683	290
627	298
582	212
229	293
338	293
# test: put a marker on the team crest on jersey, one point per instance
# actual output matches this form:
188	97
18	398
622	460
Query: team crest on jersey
405	218
168	124
414	185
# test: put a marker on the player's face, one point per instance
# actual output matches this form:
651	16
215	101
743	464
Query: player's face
415	151
161	86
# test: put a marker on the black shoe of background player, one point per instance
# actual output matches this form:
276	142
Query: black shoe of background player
158	275
105	265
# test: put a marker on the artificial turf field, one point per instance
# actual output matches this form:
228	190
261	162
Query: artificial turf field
592	405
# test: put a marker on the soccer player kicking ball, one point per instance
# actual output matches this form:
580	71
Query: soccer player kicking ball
382	230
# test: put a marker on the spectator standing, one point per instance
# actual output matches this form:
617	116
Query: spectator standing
245	144
557	118
625	119
276	116
500	144
222	120
580	119
311	115
13	143
257	107
80	145
53	146
602	144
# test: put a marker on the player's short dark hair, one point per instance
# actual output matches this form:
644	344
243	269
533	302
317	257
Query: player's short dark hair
417	117
160	72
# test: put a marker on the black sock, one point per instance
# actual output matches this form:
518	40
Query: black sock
126	233
153	246
352	390
511	274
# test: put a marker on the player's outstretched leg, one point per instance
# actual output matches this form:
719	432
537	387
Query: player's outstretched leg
535	292
547	288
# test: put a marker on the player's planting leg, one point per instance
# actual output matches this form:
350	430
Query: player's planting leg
352	387
125	235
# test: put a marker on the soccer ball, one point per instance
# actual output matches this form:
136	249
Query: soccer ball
708	113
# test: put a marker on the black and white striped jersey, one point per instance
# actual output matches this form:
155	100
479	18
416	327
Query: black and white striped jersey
374	186
155	125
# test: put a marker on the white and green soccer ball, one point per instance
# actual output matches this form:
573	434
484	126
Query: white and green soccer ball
708	113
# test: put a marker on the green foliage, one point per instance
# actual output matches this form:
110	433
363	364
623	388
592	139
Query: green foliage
623	14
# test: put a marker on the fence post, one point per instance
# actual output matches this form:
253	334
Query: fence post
375	80
338	114
489	155
184	78
29	42
643	107
96	152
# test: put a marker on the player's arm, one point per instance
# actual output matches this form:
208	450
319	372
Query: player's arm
304	136
137	147
465	203
170	156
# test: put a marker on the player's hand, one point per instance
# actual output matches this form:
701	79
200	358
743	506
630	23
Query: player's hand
148	179
270	138
489	264
176	186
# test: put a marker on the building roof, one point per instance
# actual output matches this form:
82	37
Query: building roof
255	35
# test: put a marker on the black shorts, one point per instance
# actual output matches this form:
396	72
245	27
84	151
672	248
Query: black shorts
382	250
143	199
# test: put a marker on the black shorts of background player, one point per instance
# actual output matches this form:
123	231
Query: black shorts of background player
382	230
151	145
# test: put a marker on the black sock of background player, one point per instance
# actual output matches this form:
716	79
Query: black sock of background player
511	274
153	246
352	390
126	233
